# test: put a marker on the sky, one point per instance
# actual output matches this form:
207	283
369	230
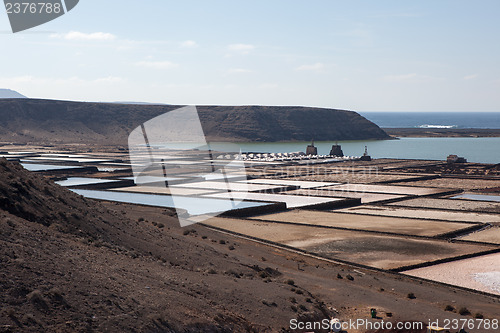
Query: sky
385	55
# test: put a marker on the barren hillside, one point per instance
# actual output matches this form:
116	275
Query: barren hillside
47	121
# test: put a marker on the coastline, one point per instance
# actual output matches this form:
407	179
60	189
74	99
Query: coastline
443	132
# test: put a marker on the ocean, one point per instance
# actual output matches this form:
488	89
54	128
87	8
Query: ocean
480	150
434	119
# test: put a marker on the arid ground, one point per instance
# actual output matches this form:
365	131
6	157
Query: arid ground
71	264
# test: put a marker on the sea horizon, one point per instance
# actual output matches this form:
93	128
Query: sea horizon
426	119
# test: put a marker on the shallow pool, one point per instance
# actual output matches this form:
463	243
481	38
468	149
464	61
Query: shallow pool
479	197
46	167
193	205
75	181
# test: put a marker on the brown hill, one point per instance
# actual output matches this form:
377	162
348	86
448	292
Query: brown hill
47	121
68	264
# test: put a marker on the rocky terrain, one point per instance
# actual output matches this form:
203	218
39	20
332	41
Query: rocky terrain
72	264
52	122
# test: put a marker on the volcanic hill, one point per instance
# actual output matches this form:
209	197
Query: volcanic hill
50	121
69	264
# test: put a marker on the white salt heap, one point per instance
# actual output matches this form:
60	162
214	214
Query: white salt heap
489	279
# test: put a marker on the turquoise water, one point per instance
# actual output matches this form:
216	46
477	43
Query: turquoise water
481	150
75	181
194	205
45	167
480	197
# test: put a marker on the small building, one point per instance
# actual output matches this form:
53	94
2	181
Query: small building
336	151
365	156
311	150
455	159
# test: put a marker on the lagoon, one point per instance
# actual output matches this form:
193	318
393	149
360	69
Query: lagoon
479	150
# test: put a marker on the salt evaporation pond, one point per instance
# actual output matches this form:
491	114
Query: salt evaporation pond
76	181
193	205
46	167
479	197
489	279
479	273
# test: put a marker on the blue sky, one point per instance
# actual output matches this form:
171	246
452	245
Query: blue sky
358	55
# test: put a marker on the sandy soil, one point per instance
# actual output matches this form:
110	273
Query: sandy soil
364	176
453	204
466	184
423	214
365	197
386	189
362	222
195	289
379	251
491	235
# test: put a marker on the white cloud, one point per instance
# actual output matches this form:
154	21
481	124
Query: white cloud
238	71
471	77
241	48
314	67
189	44
157	64
79	36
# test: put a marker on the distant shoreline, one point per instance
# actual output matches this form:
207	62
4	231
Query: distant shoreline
442	132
